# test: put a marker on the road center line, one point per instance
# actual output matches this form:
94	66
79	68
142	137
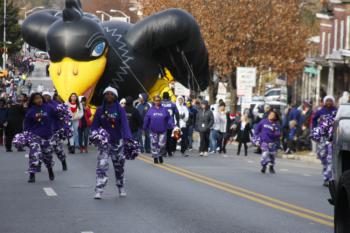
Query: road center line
50	192
247	194
87	232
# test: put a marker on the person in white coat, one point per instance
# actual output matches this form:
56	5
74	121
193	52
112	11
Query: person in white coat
77	112
183	119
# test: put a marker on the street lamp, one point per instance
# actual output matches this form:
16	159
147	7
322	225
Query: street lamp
4	38
125	17
32	10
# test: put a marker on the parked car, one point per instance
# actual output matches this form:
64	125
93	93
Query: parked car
276	94
340	187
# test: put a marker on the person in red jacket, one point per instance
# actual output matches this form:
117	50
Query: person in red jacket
84	127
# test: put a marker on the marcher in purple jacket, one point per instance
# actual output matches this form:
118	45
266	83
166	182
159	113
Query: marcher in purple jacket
158	121
111	117
269	132
39	120
56	144
324	149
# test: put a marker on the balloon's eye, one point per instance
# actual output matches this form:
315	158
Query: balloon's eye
98	49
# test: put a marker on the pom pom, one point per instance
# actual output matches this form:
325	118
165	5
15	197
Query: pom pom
99	138
256	140
131	149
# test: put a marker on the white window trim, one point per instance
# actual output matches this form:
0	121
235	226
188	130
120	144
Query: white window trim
342	28
323	43
335	46
347	46
329	44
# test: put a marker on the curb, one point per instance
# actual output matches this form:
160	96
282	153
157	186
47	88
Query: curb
306	158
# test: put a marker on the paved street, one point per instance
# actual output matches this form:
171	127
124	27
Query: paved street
188	195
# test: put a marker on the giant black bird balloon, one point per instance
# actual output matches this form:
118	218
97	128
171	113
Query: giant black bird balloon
88	55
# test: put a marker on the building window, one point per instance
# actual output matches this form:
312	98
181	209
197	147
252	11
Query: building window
335	46
323	43
342	28
329	44
347	46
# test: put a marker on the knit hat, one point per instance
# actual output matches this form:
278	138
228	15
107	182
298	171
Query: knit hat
111	89
328	97
46	93
144	96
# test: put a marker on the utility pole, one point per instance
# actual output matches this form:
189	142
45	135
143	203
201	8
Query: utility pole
4	39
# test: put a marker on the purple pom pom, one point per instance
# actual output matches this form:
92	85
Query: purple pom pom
131	149
99	138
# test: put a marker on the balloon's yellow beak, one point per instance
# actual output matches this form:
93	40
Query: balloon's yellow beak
80	77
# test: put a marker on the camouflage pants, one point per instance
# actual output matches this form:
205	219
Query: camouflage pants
324	153
158	144
269	152
58	149
40	151
115	152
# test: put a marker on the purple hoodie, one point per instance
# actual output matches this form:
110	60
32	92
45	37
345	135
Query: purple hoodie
321	112
113	119
158	120
40	120
268	132
56	124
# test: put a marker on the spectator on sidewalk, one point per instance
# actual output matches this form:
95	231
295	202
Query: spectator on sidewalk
143	107
304	142
204	122
214	131
244	132
174	113
77	113
14	122
223	122
292	137
306	113
192	110
134	118
85	123
183	119
3	117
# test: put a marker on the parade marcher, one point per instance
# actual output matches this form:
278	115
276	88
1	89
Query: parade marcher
84	126
134	118
158	121
110	120
143	107
122	102
174	113
38	122
322	134
204	122
56	142
77	113
14	122
267	134
183	119
244	132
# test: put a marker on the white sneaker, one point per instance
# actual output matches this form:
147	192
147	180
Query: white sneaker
201	154
122	192
98	196
205	154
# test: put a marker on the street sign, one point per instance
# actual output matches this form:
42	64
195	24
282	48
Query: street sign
181	90
246	76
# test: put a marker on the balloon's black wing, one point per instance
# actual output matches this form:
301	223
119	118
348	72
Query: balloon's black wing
36	26
173	37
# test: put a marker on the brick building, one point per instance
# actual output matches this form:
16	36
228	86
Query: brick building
328	70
